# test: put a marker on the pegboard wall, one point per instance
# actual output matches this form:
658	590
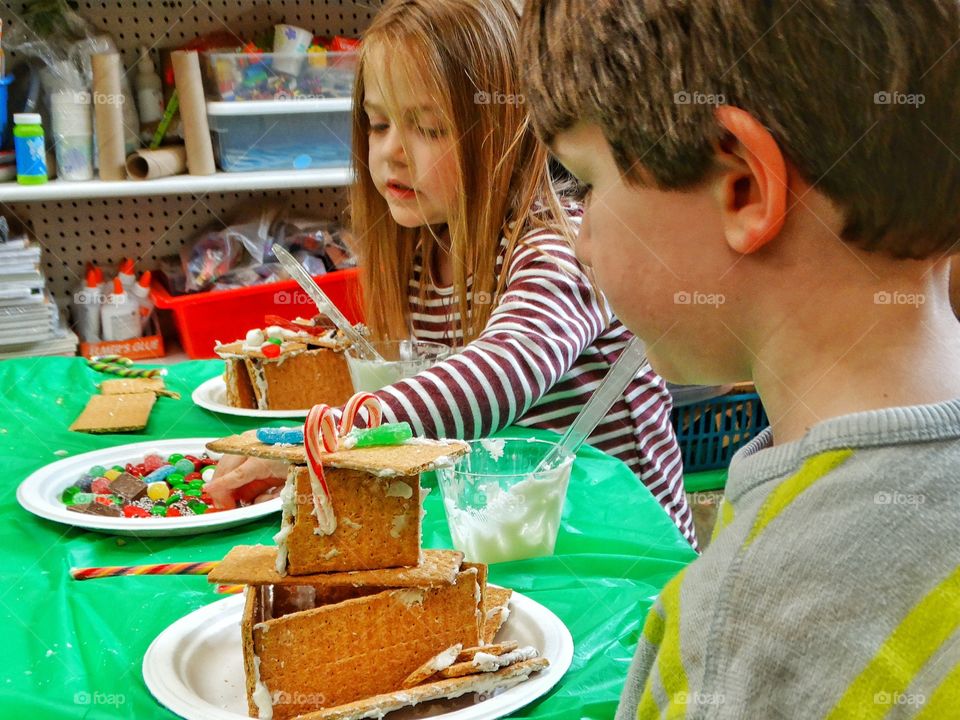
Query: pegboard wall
74	232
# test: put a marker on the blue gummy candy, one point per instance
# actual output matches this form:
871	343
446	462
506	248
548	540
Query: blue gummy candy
277	436
160	473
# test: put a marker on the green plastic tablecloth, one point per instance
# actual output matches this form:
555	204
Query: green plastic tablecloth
74	649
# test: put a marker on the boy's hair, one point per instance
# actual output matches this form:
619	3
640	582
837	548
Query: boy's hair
862	97
463	54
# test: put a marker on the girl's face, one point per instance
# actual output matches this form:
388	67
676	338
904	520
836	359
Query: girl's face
412	160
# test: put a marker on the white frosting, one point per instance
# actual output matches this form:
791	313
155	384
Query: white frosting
411	596
485	662
400	489
494	447
322	509
261	695
347	522
521	522
274	332
288	508
399	523
261	382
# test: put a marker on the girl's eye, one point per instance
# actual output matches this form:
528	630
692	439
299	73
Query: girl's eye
379	127
432	133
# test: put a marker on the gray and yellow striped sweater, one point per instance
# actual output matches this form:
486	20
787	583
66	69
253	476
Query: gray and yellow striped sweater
831	588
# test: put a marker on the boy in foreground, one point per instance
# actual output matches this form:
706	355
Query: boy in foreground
791	171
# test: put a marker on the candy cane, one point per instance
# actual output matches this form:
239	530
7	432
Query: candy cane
362	399
321	434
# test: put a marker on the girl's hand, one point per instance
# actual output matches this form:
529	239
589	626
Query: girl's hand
245	480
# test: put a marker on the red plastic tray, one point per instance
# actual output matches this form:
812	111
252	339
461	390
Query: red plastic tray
204	319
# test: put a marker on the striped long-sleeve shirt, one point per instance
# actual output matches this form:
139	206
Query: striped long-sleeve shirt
545	349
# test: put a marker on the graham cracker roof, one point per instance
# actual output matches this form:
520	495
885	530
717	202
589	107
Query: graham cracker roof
394	459
256	565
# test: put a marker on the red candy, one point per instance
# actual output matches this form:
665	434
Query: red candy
152	462
270	350
173	512
191	476
103	499
100	486
134	511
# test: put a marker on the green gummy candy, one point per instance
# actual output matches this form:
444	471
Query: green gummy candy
68	495
192	492
198	507
389	434
160	510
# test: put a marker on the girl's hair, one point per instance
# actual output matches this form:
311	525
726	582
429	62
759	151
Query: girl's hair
464	54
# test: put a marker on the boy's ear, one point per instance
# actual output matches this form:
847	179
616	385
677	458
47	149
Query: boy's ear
753	181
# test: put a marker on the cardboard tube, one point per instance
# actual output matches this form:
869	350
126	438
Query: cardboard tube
193	113
108	116
150	164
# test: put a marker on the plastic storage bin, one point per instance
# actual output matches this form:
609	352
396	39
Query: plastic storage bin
204	319
710	432
280	134
269	76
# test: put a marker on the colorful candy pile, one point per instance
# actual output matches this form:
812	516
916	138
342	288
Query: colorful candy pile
251	75
154	487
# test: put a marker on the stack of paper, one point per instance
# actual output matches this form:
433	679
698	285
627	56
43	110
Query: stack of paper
29	319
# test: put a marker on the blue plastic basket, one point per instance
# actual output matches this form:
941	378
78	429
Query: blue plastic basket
710	432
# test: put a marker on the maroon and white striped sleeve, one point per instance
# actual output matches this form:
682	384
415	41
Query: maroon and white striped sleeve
545	318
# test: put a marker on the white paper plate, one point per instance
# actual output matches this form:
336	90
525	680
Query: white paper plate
212	396
194	668
40	493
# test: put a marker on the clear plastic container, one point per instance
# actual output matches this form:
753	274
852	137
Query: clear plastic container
498	508
290	134
267	76
402	359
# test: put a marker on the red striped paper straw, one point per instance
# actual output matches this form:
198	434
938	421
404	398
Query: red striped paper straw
92	573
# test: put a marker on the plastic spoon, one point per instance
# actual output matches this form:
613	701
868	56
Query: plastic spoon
324	304
621	373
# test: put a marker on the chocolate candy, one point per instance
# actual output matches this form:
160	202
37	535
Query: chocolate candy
128	487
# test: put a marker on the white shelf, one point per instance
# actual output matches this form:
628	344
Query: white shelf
11	192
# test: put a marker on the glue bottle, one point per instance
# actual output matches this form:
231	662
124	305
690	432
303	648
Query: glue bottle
86	308
141	293
120	315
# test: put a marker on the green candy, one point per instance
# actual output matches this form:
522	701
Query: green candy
174	458
119	468
199	508
389	434
193	492
81	498
97	471
276	341
68	495
174	479
174	497
160	510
